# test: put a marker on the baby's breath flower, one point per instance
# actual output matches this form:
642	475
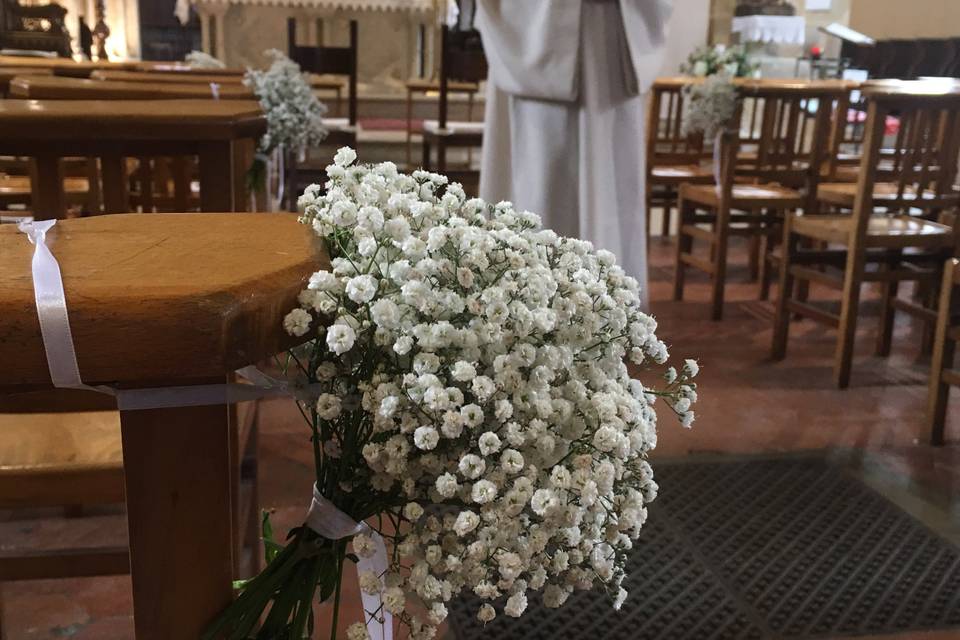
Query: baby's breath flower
478	362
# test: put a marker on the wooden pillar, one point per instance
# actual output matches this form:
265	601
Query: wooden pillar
216	177
179	518
46	187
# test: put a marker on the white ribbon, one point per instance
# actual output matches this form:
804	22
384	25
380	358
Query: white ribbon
215	90
330	522
62	357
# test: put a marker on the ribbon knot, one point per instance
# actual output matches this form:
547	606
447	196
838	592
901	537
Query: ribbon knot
327	520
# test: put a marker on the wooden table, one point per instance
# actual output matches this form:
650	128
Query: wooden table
165	300
60	88
222	133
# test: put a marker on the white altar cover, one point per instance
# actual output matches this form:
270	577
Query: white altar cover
771	29
565	113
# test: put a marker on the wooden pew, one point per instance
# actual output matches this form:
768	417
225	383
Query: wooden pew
203	308
223	133
57	88
62	66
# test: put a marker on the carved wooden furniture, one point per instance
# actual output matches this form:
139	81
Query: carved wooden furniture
881	232
202	309
36	28
942	373
673	159
222	133
783	160
461	59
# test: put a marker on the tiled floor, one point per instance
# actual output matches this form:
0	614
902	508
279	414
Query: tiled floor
748	405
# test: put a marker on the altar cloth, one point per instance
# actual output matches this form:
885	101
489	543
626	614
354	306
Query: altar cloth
771	29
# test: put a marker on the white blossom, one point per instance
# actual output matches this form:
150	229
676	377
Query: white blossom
478	362
340	338
297	322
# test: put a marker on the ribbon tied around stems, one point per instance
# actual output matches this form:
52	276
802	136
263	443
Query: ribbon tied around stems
328	521
215	90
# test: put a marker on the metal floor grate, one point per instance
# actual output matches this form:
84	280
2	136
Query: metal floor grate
760	549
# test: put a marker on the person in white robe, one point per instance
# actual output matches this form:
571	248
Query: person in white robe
564	121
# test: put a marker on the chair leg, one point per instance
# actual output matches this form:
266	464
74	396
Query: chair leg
938	393
852	281
887	316
753	257
781	318
684	245
665	222
766	242
722	239
944	351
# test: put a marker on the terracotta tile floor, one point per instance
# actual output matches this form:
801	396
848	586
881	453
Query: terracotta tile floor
748	405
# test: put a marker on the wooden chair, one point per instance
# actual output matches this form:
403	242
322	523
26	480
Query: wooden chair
426	86
942	375
846	141
334	61
783	157
461	59
672	158
901	246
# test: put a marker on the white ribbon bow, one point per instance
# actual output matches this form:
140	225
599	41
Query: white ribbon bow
333	524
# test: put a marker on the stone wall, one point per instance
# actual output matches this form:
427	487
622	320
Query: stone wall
388	40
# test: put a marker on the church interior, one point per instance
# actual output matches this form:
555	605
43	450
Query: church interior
780	176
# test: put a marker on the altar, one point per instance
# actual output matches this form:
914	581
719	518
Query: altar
238	31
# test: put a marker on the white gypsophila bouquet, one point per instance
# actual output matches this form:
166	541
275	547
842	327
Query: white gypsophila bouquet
473	402
710	106
200	60
707	61
294	113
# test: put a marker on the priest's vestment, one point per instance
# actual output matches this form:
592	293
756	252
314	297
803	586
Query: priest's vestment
564	122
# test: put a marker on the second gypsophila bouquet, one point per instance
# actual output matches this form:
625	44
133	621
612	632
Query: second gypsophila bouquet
294	114
473	403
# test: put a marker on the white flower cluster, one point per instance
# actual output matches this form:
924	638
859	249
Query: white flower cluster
200	60
710	106
294	114
476	368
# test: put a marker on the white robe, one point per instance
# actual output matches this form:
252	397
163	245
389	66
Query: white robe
564	120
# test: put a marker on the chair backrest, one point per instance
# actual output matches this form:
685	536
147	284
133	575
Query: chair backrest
461	59
341	61
922	158
666	142
785	128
